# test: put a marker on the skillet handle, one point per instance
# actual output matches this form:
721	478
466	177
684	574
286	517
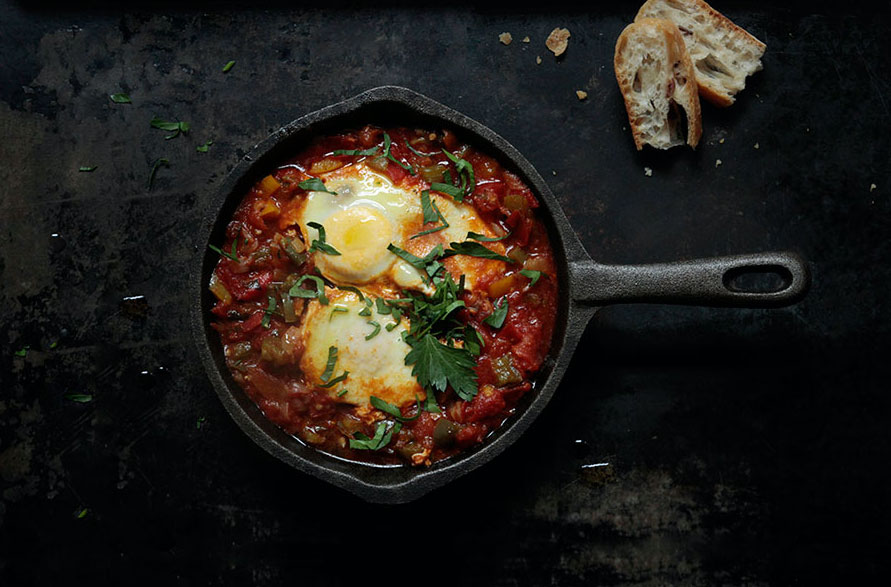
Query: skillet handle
701	282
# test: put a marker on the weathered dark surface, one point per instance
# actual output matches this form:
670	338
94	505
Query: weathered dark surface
743	446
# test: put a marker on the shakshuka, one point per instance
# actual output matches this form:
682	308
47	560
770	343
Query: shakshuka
386	296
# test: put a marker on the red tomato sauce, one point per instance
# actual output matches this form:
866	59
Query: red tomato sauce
261	345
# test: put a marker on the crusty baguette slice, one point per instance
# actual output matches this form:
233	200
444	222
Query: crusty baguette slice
657	81
722	53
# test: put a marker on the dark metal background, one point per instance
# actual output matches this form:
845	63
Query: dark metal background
685	446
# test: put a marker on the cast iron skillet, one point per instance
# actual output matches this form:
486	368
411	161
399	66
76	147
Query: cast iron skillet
584	284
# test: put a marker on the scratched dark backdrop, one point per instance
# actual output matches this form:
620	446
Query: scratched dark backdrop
686	446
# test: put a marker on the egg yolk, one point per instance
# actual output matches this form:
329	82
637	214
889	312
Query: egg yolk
361	235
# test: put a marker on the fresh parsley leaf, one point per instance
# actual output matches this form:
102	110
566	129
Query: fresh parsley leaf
337	379
415	151
176	127
486	239
383	433
329	366
465	171
365	311
377	329
387	144
356	152
391	326
81	398
298	292
499	313
382	307
448	189
120	98
430	404
531	274
158	163
314	184
438	366
204	148
431	214
226	254
394	411
267	314
320	244
472	341
87	168
475	250
23	352
228	66
419	263
336	310
342	392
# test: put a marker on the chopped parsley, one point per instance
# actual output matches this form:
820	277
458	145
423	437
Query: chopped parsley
267	313
120	98
499	313
377	329
486	239
383	433
81	398
531	274
204	148
394	411
465	172
233	254
448	189
228	66
23	352
314	184
356	152
475	250
336	310
174	127
431	214
87	168
320	244
387	144
158	163
298	292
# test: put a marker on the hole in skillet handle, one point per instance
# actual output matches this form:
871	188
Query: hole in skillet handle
758	279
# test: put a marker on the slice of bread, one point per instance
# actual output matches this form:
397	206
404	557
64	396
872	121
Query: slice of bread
722	53
658	83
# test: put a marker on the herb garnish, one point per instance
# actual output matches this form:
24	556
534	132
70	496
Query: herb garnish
342	392
448	189
298	292
531	274
87	168
431	214
81	398
383	433
415	151
320	244
120	98
176	127
499	313
329	366
337	309
81	513
356	152
388	155
229	255
465	170
337	379
486	239
394	411
314	184
377	329
437	365
23	352
204	148
158	163
267	313
366	311
475	250
228	66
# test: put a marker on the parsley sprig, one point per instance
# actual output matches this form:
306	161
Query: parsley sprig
319	244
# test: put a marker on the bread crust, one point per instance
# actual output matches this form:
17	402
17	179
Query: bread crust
723	54
656	76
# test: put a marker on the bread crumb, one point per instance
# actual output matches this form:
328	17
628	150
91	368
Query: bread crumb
538	60
582	94
873	187
505	38
525	39
757	146
557	41
648	172
718	162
